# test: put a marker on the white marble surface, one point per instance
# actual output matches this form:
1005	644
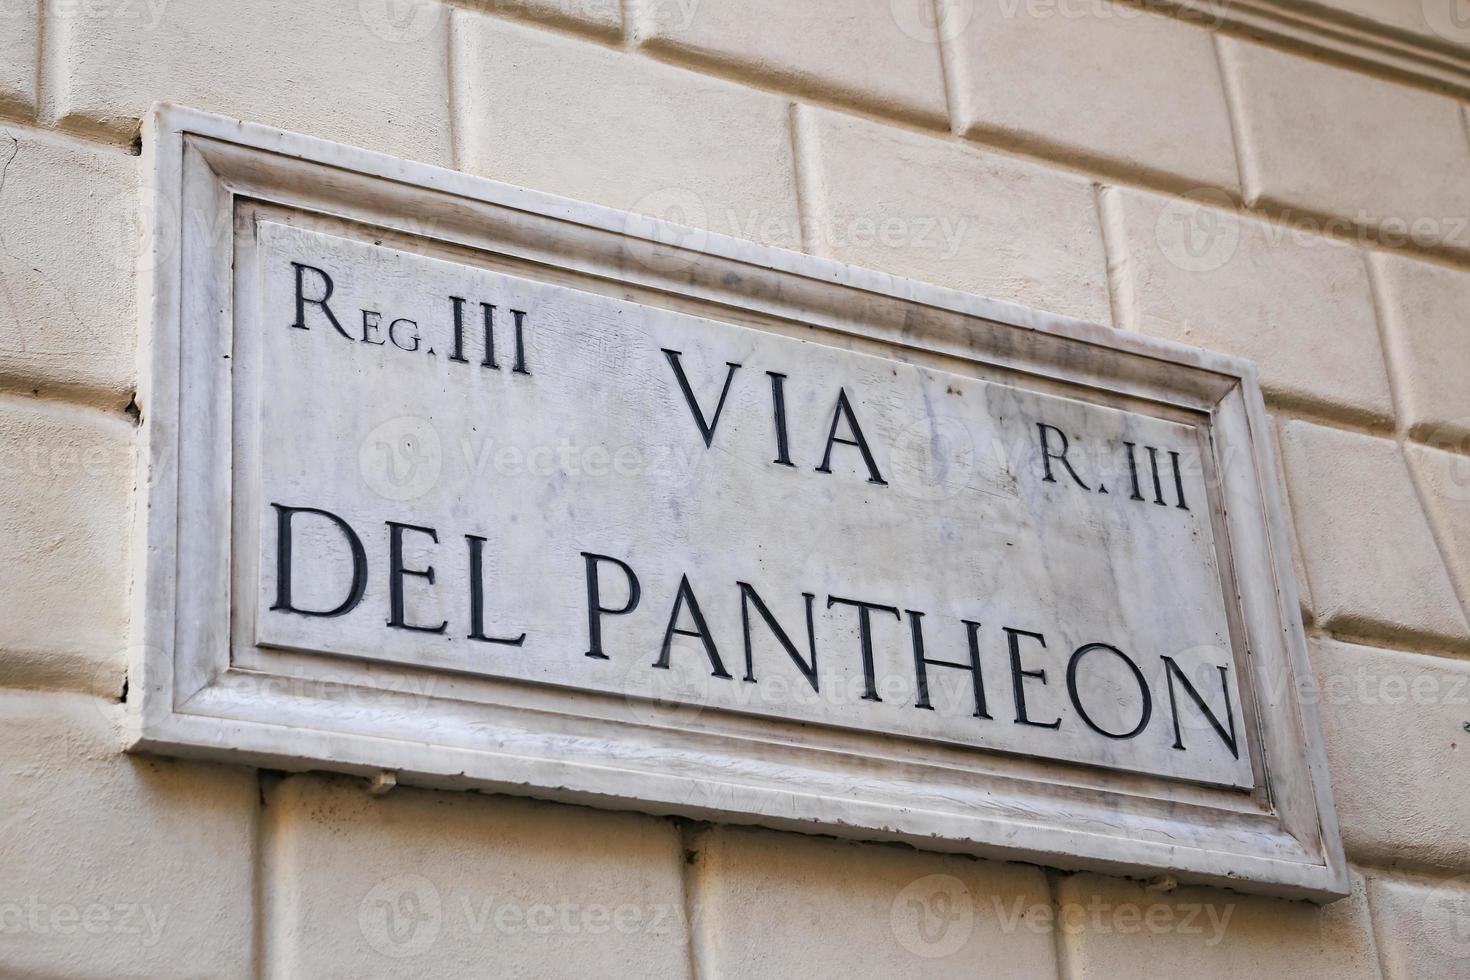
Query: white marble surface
596	450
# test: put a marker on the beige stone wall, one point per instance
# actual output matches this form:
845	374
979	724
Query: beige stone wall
1138	170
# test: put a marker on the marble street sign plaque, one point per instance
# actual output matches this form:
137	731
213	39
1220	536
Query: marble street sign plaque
486	488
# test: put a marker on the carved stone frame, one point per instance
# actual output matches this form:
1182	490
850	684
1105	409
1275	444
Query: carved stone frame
194	697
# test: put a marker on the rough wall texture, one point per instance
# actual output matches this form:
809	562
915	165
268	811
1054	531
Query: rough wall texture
1096	160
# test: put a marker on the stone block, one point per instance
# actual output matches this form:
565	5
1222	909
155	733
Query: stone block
1420	925
1393	724
1426	313
874	53
114	865
1111	927
69	246
1324	142
977	221
66	476
580	120
371	74
779	905
419	883
19	44
1300	306
1444	485
1371	557
1047	76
